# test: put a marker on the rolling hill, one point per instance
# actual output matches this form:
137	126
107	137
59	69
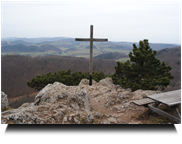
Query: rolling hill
33	40
88	47
172	57
112	55
69	46
31	48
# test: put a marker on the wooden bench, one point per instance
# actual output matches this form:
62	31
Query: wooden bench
171	99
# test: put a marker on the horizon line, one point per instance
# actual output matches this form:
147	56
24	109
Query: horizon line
74	38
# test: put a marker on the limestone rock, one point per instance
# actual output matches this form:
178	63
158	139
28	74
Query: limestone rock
85	82
56	103
107	82
83	104
140	94
4	101
83	99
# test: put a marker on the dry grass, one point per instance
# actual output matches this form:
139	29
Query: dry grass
7	108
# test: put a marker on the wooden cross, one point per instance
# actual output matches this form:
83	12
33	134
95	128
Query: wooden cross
91	39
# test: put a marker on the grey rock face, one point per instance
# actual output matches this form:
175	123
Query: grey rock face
4	101
56	103
60	104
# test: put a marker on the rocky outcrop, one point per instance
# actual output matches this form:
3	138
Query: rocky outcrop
4	101
58	103
101	103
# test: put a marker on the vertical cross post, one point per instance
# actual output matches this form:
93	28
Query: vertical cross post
91	55
91	50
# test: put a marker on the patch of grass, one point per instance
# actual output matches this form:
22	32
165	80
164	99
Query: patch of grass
10	122
123	59
133	117
95	121
7	108
82	120
61	100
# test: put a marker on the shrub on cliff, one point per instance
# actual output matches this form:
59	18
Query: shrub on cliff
65	77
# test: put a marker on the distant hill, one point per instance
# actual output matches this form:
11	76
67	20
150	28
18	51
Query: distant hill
20	48
33	40
20	42
72	47
49	47
159	46
4	43
88	47
172	57
112	55
8	43
31	48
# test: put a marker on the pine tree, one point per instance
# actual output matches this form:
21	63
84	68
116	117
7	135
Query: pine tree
143	70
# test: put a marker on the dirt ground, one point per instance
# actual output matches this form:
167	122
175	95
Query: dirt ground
97	104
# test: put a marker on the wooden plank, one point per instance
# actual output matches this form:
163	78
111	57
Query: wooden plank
169	116
169	98
100	40
143	101
176	112
82	39
94	39
91	49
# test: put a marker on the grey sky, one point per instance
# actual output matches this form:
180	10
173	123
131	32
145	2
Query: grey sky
118	21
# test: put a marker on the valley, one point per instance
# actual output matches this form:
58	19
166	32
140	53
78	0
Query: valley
66	47
44	55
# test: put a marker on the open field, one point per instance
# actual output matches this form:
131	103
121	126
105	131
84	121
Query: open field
123	59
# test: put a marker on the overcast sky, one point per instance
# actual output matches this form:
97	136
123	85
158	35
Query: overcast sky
118	21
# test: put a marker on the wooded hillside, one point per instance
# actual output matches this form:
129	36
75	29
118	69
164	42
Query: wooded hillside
172	57
17	70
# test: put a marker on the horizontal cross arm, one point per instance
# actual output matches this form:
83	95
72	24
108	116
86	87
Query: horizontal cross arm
87	39
82	39
100	40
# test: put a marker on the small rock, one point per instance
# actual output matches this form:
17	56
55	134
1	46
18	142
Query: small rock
90	118
128	89
133	122
112	120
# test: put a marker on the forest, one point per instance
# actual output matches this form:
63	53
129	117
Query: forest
16	70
